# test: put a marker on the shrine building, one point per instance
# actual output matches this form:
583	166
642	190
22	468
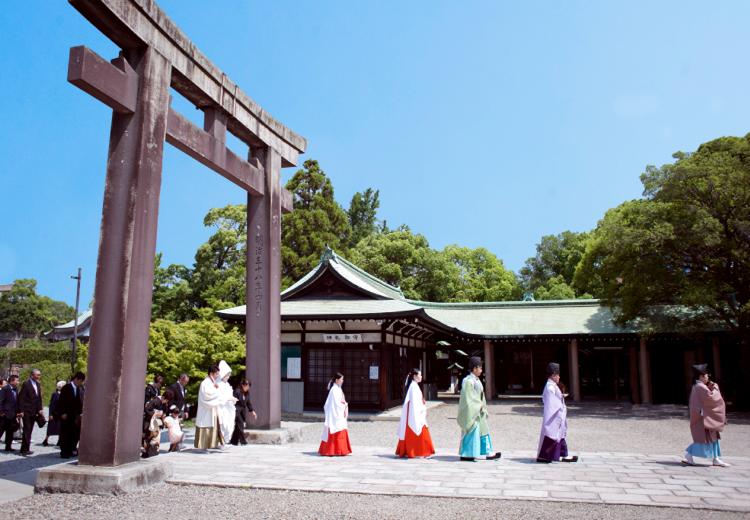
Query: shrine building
340	318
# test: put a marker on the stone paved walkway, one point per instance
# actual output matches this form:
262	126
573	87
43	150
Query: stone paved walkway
610	478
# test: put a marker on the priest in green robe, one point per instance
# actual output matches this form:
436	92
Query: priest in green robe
472	417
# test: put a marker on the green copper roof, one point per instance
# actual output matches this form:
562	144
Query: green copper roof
486	319
360	279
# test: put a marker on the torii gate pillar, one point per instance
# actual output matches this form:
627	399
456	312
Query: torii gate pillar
263	290
125	271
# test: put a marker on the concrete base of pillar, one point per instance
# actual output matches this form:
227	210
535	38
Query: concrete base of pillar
102	480
288	432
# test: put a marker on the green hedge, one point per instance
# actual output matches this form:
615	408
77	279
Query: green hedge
52	359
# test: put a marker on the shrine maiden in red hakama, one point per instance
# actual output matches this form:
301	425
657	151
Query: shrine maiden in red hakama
413	435
335	438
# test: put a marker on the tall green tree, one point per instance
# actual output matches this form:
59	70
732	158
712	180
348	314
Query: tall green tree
406	260
218	275
481	276
24	311
549	274
173	295
362	213
317	220
680	257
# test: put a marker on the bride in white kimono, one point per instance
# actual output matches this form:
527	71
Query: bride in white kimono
226	410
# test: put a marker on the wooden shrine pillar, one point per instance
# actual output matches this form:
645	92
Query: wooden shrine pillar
716	358
635	391
489	369
113	410
575	378
263	289
644	367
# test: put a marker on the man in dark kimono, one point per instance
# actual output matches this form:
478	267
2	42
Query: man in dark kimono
70	408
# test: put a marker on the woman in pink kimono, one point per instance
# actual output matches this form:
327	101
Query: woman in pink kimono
707	419
552	445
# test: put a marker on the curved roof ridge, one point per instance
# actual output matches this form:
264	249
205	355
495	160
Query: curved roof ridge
583	302
369	277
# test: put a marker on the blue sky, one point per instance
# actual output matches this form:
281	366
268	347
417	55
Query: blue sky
481	123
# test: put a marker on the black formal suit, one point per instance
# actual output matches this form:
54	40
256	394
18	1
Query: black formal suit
179	397
70	408
242	407
8	411
30	404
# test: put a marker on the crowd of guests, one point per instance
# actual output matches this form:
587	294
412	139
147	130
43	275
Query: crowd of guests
21	409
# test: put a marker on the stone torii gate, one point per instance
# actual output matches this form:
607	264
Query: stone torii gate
155	56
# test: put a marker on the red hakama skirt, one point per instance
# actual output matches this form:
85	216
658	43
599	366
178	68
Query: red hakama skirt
336	445
415	445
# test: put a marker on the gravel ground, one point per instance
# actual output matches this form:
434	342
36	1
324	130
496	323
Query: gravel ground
209	502
602	427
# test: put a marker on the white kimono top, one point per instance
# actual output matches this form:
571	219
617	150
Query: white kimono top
336	410
414	412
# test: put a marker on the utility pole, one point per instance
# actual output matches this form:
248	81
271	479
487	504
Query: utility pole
75	325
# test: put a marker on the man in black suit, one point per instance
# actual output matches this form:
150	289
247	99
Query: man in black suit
70	408
178	389
30	405
9	410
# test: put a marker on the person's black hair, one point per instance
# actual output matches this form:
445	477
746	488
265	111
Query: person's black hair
474	362
168	394
409	378
213	369
12	377
80	376
158	378
337	375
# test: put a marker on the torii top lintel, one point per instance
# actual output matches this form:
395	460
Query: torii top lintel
137	23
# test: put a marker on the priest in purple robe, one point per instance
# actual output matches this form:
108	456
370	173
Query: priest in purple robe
552	445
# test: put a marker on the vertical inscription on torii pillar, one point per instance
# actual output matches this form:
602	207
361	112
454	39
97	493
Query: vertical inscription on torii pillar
257	304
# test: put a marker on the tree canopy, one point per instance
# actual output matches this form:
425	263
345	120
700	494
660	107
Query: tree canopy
23	311
363	212
549	274
481	276
686	244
